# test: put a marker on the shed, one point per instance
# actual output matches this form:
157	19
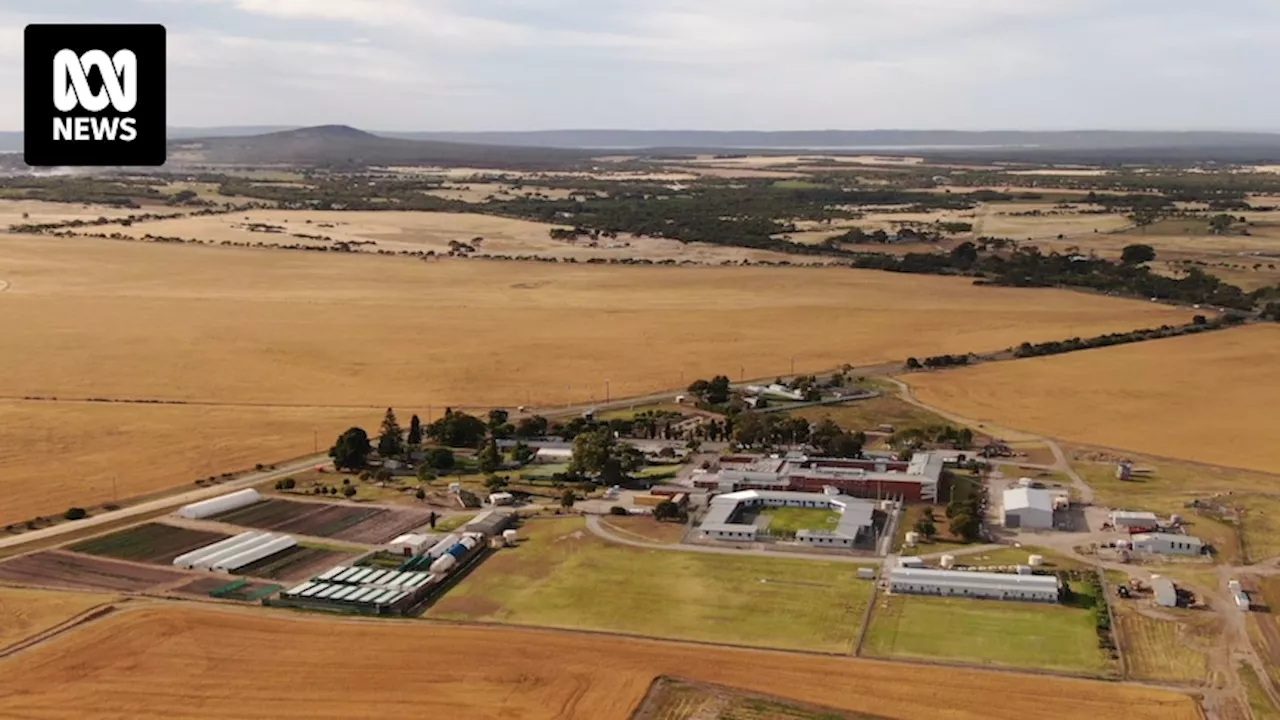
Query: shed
1242	600
490	523
553	455
1130	519
501	498
1028	508
412	544
1168	544
1165	593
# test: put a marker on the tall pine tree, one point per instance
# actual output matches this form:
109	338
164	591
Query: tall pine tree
415	431
391	439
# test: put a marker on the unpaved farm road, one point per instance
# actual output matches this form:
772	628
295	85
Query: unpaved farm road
166	503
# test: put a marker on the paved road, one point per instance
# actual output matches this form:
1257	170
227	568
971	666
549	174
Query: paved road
165	503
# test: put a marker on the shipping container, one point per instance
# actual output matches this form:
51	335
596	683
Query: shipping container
254	554
207	561
220	504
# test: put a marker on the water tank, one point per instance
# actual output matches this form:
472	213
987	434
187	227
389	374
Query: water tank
948	562
468	542
443	564
510	536
1035	560
913	537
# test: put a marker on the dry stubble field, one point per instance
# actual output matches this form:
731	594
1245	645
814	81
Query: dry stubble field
106	319
25	612
205	663
1210	398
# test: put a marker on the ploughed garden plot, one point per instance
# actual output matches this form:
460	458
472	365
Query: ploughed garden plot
223	589
54	568
361	524
150	543
296	563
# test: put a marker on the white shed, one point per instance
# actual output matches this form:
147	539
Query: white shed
1168	544
1165	592
501	498
412	544
1028	508
220	504
553	455
1129	519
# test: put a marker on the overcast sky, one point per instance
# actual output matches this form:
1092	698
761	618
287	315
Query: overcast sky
699	64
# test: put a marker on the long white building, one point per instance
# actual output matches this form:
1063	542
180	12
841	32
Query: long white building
1168	544
993	586
723	518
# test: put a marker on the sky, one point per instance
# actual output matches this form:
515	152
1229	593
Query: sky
699	64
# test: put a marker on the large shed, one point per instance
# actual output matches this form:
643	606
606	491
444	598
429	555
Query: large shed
1129	520
490	523
1028	508
994	586
1168	544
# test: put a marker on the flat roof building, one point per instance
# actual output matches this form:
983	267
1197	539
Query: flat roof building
1166	593
1028	508
723	518
992	586
1130	519
1168	544
869	477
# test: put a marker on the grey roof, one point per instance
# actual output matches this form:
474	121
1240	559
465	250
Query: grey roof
855	513
1006	582
1169	537
1131	515
1028	499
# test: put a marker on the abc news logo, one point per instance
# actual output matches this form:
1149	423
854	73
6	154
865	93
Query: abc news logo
94	95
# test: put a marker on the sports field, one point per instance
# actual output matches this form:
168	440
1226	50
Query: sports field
1211	398
789	521
206	663
986	632
563	576
24	613
287	343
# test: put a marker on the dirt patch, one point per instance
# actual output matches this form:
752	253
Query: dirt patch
353	523
151	543
80	572
473	607
296	563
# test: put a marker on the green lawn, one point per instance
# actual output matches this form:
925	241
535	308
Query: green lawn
450	524
563	576
986	632
1018	556
789	521
659	472
543	471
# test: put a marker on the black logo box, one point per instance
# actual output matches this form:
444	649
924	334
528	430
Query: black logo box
41	43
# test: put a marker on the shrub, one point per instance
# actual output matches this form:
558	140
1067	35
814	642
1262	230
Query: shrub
618	510
76	513
349	491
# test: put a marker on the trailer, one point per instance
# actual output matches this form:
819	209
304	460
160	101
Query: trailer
220	504
207	561
255	554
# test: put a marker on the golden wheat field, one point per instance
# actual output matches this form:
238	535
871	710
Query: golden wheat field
24	613
1211	398
60	455
204	663
124	320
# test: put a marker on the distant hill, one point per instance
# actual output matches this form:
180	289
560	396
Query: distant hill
853	139
12	141
344	146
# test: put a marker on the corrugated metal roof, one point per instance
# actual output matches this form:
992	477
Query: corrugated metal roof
1028	499
1167	537
959	579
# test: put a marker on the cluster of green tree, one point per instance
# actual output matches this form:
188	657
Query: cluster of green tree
938	361
1095	601
598	454
911	439
80	189
965	513
1198	324
713	392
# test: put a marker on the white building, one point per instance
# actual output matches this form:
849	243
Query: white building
501	498
993	586
553	455
723	518
1028	508
1168	544
412	544
1124	519
1165	593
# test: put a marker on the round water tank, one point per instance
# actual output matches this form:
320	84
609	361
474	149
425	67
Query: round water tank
913	537
1035	560
948	562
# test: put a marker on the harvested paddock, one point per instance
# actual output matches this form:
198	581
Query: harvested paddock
1170	648
561	575
55	568
674	699
1209	398
25	612
151	543
148	448
297	563
205	663
354	523
251	332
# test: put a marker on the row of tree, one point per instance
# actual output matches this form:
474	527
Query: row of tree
1199	324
